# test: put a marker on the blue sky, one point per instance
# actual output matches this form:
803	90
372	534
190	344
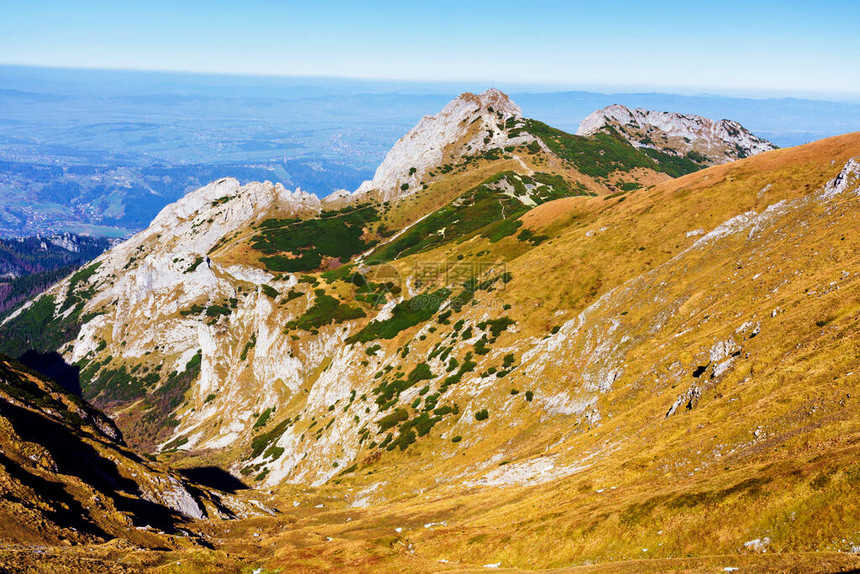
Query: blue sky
729	47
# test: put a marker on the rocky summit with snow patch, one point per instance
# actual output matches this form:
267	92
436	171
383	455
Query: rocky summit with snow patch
697	137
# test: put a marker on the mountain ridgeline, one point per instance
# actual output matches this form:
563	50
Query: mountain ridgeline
619	336
693	137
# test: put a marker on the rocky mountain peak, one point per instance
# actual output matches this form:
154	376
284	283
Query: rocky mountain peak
492	98
469	124
233	200
703	139
172	253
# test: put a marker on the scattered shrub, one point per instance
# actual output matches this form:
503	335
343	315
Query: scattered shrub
325	310
194	265
217	311
270	291
405	314
252	342
389	421
263	418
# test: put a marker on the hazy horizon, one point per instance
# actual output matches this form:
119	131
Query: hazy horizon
412	85
730	48
119	137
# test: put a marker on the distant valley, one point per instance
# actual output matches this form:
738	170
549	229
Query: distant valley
102	152
30	265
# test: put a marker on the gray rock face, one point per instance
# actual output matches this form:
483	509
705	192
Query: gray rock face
469	124
171	492
678	134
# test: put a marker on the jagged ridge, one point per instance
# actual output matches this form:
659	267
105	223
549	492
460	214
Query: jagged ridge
469	124
682	134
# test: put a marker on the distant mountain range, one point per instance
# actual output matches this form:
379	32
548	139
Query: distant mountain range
101	152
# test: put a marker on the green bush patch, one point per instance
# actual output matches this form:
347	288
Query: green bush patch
405	314
252	342
603	153
389	421
194	265
293	245
217	311
260	443
263	418
270	291
491	208
325	310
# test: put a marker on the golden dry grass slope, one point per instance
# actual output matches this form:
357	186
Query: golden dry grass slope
700	401
662	378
